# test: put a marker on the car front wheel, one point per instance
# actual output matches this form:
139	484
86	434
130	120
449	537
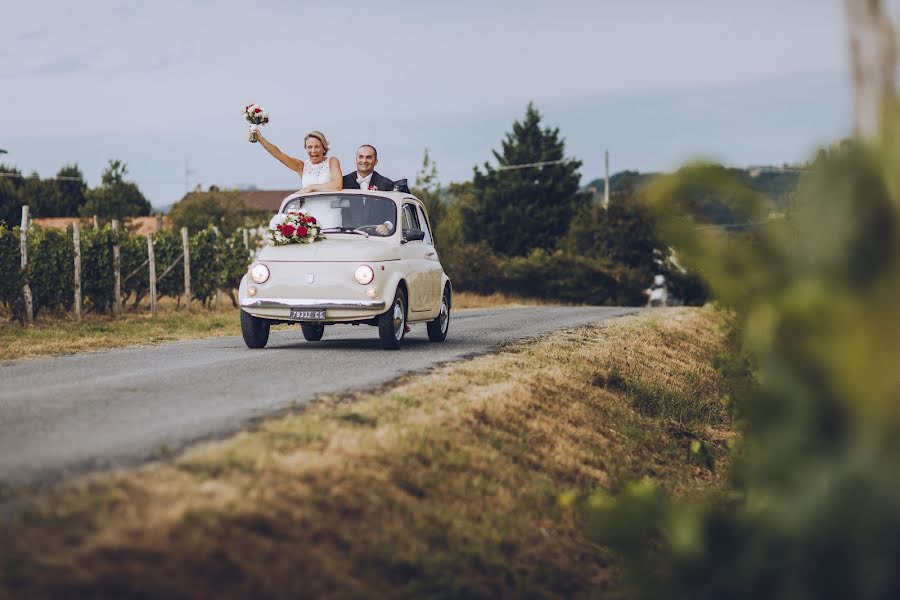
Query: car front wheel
312	331
254	330
437	329
392	323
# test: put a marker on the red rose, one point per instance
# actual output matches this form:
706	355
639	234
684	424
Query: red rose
287	230
278	227
302	231
311	219
257	110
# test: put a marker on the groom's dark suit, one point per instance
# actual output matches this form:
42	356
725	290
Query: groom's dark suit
381	183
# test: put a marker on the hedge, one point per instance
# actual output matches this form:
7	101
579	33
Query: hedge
216	262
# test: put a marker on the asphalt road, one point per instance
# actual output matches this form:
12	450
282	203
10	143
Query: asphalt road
70	414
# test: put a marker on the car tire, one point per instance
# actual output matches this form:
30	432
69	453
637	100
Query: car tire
254	330
312	331
437	329
391	324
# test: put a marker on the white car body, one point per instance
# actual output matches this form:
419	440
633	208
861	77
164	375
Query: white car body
319	276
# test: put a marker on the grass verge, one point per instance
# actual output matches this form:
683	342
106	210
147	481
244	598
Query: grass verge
463	482
63	334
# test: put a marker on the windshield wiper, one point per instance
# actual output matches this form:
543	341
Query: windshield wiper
345	230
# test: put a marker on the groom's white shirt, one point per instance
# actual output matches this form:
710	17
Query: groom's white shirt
363	181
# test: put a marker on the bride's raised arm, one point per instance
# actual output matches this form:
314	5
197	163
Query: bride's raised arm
294	164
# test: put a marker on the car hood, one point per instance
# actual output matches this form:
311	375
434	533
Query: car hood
337	248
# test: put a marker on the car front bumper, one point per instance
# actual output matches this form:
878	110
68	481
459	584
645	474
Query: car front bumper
311	303
335	310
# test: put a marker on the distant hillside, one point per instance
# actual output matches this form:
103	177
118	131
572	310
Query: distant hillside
778	183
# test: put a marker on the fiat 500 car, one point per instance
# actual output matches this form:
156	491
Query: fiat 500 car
376	266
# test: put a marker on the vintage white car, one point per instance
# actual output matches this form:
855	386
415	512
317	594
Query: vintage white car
376	266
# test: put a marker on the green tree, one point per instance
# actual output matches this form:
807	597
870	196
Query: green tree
623	233
39	194
227	210
10	195
428	189
69	192
115	198
518	209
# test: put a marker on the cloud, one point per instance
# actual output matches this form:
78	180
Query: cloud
35	34
66	66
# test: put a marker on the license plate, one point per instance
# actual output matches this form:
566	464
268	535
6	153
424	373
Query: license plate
308	314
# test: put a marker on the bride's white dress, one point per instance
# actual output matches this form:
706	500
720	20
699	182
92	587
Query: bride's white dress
313	174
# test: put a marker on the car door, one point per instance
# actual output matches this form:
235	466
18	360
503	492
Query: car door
432	264
414	254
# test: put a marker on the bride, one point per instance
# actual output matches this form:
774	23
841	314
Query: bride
318	174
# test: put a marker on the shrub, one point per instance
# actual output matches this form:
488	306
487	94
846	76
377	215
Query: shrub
11	271
206	264
235	260
135	268
168	249
471	267
97	278
51	269
559	276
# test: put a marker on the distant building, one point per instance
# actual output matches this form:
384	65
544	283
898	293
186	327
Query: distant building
138	225
267	200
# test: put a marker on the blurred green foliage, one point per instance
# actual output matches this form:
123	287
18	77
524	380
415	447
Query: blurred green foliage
815	510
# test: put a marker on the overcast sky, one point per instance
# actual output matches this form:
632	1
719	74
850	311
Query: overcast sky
655	81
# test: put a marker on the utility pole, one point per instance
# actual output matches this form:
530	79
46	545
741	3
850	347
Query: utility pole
606	179
873	60
187	174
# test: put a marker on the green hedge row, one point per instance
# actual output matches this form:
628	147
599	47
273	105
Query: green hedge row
556	275
217	262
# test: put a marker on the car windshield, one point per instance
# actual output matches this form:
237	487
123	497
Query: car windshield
373	215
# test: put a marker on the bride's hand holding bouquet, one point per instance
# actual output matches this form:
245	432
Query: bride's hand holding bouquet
256	115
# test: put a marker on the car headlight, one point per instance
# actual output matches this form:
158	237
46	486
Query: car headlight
364	275
259	273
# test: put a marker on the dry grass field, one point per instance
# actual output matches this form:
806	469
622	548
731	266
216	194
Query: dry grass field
467	481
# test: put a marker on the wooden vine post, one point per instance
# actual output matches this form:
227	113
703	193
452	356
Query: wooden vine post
23	247
117	270
187	266
76	242
152	258
218	287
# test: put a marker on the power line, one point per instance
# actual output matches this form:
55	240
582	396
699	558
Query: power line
534	164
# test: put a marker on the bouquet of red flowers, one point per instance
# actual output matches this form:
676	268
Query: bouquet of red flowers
256	115
294	227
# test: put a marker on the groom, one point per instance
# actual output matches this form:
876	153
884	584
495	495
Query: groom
365	177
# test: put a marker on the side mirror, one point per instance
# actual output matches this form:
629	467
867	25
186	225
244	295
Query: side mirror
413	235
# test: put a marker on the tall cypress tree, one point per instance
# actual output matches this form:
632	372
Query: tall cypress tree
517	210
